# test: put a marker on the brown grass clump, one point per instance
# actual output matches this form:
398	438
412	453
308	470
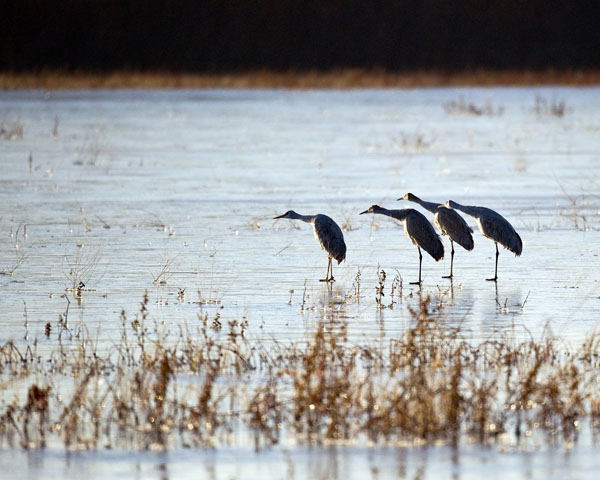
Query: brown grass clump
418	395
264	412
462	107
11	130
197	385
321	374
554	107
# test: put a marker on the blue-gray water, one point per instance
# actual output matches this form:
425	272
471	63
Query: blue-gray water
175	192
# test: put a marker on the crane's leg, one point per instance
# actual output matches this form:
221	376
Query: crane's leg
451	259
331	279
420	260
496	270
329	274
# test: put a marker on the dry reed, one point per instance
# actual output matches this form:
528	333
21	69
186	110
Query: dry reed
196	385
340	78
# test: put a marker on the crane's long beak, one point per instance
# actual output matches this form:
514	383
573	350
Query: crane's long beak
366	211
280	216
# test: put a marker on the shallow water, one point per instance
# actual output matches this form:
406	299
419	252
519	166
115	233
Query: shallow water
468	463
129	189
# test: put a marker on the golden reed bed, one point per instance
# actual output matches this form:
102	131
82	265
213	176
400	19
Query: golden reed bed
339	79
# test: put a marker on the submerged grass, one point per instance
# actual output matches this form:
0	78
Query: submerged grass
11	130
462	107
193	384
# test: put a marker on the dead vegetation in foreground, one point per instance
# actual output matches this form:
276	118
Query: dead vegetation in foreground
201	385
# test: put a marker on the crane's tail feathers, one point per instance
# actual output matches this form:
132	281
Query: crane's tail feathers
436	251
516	249
516	245
467	243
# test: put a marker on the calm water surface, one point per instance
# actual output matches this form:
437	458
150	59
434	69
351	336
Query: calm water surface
174	192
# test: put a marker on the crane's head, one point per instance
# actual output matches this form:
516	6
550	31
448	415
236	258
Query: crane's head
410	197
372	209
451	204
288	214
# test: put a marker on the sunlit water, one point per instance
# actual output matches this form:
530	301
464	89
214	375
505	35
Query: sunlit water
174	192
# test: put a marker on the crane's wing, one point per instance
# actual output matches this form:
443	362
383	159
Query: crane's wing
455	227
422	233
330	236
497	228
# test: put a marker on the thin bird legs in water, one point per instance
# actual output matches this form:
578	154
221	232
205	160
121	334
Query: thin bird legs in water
418	229
495	278
420	262
329	274
328	234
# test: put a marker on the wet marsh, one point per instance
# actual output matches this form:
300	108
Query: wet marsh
152	305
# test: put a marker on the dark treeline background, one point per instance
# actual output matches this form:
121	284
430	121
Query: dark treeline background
225	35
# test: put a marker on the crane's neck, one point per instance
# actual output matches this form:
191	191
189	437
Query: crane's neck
469	210
431	206
397	214
304	218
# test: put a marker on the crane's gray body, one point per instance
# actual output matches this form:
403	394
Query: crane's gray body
328	234
416	227
450	223
493	226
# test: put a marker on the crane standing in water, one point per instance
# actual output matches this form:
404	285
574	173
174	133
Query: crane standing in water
328	234
418	229
493	226
450	223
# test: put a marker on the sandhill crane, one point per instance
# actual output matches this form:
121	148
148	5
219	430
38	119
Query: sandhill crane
418	229
493	226
450	224
328	234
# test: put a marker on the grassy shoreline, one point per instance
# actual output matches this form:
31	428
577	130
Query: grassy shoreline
335	79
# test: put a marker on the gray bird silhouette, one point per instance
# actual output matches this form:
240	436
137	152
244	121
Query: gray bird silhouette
328	234
450	223
418	229
493	226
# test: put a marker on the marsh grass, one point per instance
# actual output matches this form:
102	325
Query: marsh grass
55	127
191	384
10	270
380	287
18	239
82	267
336	78
463	107
411	142
553	107
575	206
167	266
11	130
94	149
356	286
